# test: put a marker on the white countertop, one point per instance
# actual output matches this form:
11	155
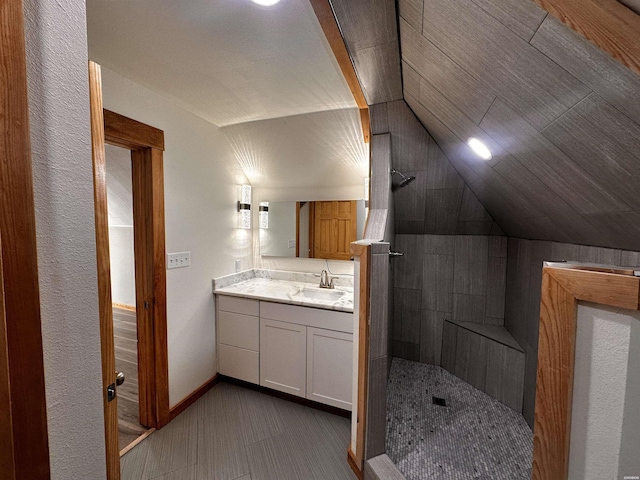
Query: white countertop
296	289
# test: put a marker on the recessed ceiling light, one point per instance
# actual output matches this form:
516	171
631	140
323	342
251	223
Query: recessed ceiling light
479	148
265	3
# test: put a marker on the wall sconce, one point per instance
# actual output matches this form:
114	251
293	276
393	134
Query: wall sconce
244	207
263	209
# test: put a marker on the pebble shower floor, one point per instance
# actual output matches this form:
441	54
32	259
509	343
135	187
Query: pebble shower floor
473	437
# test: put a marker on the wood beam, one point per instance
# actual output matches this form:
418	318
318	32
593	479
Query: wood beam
324	13
607	23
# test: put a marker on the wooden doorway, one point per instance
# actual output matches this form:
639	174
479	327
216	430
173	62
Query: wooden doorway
332	228
147	145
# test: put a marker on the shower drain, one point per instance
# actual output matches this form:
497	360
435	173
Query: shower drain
439	401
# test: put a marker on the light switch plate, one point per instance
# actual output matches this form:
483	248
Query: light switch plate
178	260
292	243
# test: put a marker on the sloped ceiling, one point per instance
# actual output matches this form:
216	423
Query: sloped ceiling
267	76
561	117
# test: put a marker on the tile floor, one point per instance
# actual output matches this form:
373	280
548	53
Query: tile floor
234	433
473	437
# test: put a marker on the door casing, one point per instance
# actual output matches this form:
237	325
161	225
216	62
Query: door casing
147	145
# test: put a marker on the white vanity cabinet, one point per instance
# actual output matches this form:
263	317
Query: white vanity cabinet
302	351
239	338
307	352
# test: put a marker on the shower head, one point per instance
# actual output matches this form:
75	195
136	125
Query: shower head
404	180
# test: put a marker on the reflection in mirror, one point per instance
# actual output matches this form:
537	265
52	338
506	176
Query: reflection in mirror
312	229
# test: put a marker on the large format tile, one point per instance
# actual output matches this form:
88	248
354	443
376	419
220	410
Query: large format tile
531	83
522	18
221	451
605	75
605	144
560	173
470	265
261	417
460	88
174	446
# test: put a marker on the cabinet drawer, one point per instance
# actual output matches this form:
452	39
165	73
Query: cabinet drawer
239	330
239	363
311	317
246	306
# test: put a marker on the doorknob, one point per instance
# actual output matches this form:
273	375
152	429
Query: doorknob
119	378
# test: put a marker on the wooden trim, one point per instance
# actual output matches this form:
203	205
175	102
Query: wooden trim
24	362
138	440
147	144
104	270
7	463
607	23
351	459
298	204
312	229
131	134
366	124
194	396
561	290
598	287
324	13
363	252
151	309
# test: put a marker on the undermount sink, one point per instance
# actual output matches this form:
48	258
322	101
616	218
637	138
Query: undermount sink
321	293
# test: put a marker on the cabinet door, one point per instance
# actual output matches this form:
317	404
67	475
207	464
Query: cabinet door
329	367
283	356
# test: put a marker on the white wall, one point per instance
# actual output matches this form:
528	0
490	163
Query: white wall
605	418
201	178
120	206
63	187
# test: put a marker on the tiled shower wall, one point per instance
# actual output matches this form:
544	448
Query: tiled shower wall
524	278
459	277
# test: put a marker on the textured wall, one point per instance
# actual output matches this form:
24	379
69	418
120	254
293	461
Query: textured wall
200	216
461	277
604	344
524	279
437	201
63	189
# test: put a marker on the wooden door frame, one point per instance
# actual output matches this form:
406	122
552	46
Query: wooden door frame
562	288
147	145
355	453
24	439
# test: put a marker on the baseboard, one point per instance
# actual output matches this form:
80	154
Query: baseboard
287	396
193	397
353	463
122	306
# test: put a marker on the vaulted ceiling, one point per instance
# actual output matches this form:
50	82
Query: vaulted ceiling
561	116
267	76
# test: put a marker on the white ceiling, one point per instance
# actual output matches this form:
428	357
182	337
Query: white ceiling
228	61
266	74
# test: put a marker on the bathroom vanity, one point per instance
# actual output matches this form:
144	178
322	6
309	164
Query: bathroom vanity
279	330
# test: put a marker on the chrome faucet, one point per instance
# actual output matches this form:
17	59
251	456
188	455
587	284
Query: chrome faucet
325	280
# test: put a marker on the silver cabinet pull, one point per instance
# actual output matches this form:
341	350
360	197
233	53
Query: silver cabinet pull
396	254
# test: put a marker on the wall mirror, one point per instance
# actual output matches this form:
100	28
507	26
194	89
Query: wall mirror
312	229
